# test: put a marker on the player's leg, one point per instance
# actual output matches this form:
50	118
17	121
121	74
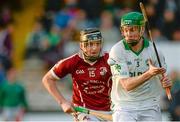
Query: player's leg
19	114
8	114
150	114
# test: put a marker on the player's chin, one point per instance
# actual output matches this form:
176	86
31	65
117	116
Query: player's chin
131	39
94	55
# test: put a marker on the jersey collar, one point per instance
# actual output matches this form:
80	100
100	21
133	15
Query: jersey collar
81	56
145	45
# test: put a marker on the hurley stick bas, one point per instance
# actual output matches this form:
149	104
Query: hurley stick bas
168	92
93	112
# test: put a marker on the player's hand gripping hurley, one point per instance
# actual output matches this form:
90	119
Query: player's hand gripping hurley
93	112
168	92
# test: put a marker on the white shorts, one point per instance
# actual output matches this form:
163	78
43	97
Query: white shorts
10	113
152	113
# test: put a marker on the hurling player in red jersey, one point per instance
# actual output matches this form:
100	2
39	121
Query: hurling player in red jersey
91	77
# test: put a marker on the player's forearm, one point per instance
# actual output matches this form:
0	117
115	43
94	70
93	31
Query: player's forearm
50	85
133	82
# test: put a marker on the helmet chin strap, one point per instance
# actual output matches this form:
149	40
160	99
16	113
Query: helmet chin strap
134	42
89	58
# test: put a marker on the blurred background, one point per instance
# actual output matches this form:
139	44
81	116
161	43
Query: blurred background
35	34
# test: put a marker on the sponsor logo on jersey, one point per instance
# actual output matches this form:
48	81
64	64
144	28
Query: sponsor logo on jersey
98	87
94	89
80	72
129	62
133	74
124	73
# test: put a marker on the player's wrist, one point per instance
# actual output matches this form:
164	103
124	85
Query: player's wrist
148	75
60	102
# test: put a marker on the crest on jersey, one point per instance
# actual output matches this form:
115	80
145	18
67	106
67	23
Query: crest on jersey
117	67
103	71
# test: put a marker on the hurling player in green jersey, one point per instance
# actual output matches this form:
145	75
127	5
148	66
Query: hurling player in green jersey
136	77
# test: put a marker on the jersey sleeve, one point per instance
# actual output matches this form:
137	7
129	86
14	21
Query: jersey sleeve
63	67
117	63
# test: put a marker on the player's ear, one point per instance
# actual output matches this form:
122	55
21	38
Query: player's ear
142	30
81	45
121	30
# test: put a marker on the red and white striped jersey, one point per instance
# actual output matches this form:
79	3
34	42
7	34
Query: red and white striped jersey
91	82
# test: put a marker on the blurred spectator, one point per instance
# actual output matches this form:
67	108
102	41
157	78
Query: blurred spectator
53	46
157	35
70	38
53	5
176	81
5	64
53	37
2	74
82	21
71	32
171	5
14	5
13	98
178	8
176	35
151	13
132	4
109	5
46	20
110	33
71	6
168	23
93	9
174	107
5	40
6	14
62	18
35	38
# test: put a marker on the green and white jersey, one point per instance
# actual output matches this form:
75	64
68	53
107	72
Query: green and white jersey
126	63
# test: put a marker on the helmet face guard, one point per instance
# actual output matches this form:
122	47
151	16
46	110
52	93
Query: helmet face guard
133	23
91	44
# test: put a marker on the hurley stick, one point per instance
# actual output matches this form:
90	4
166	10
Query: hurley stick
93	112
168	92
